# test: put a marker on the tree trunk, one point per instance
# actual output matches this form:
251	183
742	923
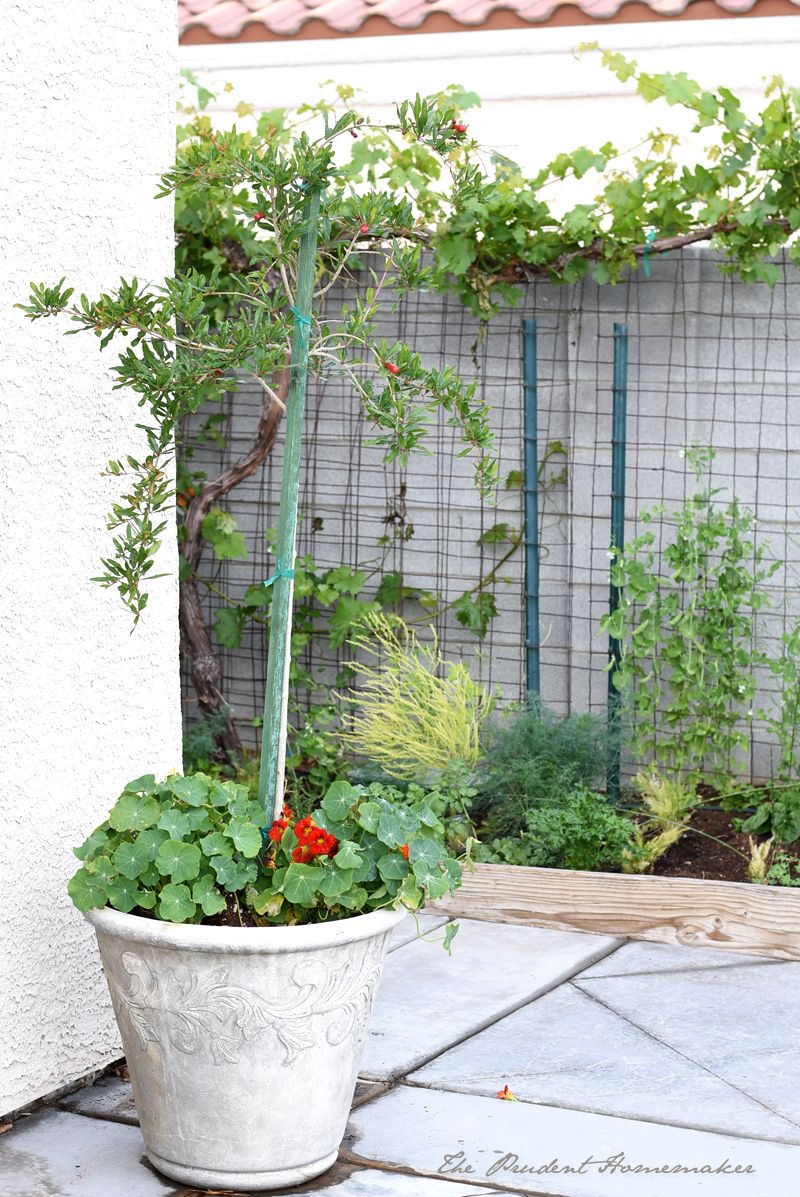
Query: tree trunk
206	674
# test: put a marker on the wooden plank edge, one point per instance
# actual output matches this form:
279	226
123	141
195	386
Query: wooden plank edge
733	916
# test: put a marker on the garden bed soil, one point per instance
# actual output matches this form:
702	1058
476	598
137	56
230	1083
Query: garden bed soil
710	850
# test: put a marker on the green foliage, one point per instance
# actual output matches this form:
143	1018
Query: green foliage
207	331
536	758
199	746
688	654
782	717
777	811
475	613
667	803
314	757
165	838
189	848
219	528
784	870
579	830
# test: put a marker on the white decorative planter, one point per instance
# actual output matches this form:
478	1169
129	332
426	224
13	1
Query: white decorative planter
242	1044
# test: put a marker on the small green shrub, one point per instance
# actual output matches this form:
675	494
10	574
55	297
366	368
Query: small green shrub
199	747
578	831
411	719
536	759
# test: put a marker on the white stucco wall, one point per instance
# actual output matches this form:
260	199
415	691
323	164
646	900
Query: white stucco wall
539	99
88	101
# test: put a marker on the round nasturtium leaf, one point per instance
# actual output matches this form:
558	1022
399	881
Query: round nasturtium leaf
175	823
152	839
245	836
191	790
92	844
393	867
101	871
427	850
122	893
176	905
207	896
134	812
85	896
335	881
390	831
180	861
198	819
216	844
338	800
131	859
142	784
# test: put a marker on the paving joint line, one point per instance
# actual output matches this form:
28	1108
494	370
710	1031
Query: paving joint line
563	979
690	1126
697	1064
690	968
482	1185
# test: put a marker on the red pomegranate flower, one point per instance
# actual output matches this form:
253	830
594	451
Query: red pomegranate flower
391	367
259	215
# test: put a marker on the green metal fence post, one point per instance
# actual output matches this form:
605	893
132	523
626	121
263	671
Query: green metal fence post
618	438
531	485
273	741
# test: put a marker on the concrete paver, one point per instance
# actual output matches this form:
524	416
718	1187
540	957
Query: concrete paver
109	1097
709	1014
634	1056
344	1180
411	928
57	1154
568	1050
428	1001
566	1153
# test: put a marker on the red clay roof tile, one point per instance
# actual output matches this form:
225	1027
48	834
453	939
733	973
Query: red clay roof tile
228	18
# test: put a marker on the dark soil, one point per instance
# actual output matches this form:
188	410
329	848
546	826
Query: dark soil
233	916
696	854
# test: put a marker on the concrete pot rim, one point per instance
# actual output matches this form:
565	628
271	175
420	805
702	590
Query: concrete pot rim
262	941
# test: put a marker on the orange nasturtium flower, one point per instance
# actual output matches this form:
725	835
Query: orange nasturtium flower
507	1095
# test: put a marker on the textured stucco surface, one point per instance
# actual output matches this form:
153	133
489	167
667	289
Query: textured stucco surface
88	101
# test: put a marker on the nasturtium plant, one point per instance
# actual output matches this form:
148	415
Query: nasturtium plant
188	848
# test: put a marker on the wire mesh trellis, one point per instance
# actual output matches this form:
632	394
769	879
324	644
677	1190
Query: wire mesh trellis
711	361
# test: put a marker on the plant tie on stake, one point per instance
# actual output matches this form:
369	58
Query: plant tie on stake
280	572
303	321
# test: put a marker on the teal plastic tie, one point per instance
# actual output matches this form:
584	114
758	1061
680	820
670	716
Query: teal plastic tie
648	241
281	572
302	320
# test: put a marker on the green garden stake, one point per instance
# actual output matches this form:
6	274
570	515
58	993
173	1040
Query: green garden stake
273	740
618	441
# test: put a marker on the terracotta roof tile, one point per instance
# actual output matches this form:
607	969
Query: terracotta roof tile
227	18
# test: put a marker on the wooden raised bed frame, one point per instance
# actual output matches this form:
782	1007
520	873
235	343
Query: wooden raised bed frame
737	917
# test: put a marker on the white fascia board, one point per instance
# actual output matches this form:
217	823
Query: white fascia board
503	64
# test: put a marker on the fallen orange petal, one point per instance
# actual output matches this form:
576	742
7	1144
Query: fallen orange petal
506	1095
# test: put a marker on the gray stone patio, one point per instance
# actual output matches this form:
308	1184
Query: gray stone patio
625	1058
